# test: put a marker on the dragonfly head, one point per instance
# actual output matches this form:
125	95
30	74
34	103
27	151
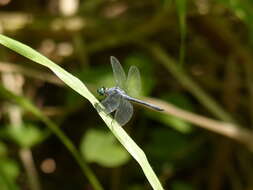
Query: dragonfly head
101	91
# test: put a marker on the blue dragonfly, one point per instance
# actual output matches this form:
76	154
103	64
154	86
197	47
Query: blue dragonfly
117	98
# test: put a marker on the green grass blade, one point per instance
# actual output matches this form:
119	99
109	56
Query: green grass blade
79	87
181	9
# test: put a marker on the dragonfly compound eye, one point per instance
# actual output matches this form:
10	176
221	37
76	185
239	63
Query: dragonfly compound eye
101	91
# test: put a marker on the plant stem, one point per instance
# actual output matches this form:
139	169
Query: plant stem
28	106
14	82
188	83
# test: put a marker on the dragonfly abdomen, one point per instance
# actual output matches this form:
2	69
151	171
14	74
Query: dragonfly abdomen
143	103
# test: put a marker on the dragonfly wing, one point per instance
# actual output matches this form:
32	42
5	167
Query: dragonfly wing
118	72
111	103
124	112
133	81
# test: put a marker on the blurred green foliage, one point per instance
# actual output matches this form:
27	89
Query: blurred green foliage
9	170
102	147
25	135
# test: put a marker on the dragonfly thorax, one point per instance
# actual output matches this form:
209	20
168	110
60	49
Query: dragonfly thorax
113	90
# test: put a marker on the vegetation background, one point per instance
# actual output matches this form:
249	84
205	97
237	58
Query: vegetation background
195	58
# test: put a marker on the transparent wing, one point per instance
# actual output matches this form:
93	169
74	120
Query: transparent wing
124	112
118	72
111	103
133	82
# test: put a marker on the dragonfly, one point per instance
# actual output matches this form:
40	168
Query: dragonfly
118	98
